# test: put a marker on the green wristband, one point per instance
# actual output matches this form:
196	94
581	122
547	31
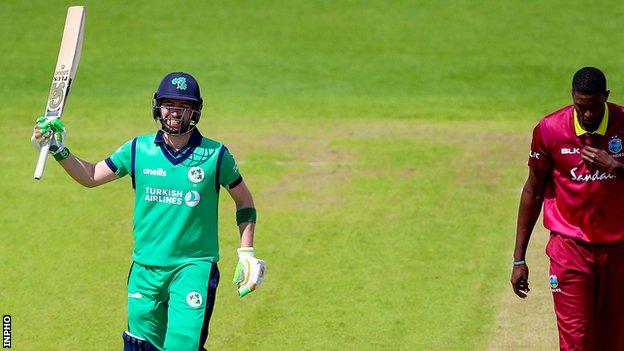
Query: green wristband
61	155
246	215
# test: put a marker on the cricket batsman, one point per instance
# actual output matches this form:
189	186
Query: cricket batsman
576	172
176	175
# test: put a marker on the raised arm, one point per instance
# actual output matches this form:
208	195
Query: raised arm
88	174
83	172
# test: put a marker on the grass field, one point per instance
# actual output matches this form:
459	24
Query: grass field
385	144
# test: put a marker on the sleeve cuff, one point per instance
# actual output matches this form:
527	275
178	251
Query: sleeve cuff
111	165
236	182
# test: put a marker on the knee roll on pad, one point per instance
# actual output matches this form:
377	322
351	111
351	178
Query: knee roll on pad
133	343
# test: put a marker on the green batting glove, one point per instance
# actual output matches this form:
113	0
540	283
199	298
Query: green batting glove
52	130
249	272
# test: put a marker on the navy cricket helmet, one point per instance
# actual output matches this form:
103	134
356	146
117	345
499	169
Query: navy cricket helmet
178	86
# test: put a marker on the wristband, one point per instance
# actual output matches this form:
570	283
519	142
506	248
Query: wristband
519	262
245	252
246	215
62	154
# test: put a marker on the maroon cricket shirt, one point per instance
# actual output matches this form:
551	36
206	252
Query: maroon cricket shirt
582	201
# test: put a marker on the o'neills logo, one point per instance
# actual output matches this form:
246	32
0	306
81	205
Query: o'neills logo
590	177
155	172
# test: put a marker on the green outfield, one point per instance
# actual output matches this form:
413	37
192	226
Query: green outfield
385	144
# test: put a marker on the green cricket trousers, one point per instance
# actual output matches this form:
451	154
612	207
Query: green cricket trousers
171	306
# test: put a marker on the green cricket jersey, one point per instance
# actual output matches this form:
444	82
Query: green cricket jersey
176	196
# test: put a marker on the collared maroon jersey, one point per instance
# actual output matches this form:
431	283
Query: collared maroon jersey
581	201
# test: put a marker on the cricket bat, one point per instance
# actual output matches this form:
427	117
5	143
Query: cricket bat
64	72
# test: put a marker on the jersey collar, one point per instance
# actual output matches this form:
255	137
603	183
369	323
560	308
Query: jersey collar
602	128
177	157
194	140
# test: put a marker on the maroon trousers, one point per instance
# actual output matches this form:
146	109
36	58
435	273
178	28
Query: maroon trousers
587	283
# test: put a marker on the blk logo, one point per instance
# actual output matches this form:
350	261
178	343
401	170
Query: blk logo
570	151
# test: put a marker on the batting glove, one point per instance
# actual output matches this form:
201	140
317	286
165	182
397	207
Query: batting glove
52	130
249	271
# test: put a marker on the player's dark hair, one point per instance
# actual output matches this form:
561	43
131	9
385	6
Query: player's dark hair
590	81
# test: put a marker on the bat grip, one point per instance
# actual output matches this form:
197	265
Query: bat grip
43	156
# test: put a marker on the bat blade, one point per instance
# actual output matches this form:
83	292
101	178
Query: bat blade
64	73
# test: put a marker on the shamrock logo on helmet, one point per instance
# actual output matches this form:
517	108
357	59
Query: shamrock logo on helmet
180	83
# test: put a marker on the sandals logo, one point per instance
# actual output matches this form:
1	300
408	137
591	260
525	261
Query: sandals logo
180	83
590	177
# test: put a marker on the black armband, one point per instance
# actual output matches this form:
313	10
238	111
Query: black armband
246	215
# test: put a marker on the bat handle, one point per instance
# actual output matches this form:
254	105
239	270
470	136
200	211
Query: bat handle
43	156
